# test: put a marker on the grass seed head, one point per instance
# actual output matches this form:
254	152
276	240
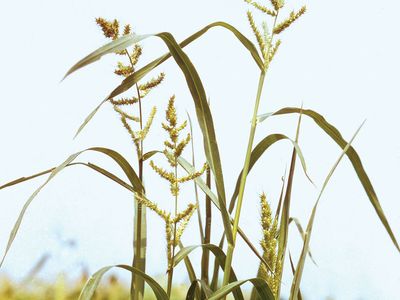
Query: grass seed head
277	4
289	21
123	70
152	83
269	245
110	29
184	222
127	29
124	101
256	31
262	8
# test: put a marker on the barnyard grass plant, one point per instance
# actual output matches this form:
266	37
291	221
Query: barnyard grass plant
272	249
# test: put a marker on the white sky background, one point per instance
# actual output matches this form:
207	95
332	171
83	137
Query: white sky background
340	59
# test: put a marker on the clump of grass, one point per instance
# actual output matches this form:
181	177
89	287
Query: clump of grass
64	289
275	234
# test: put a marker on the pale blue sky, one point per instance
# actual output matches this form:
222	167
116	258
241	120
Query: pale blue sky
341	59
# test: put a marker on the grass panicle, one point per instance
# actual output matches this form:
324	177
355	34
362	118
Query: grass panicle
269	244
174	147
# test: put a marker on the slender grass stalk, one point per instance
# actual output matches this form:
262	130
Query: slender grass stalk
140	247
171	268
207	236
137	283
196	193
231	247
207	233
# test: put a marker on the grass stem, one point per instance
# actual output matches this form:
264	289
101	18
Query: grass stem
139	246
231	247
207	237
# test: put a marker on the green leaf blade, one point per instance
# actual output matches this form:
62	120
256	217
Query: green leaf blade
118	158
260	285
117	45
354	158
93	282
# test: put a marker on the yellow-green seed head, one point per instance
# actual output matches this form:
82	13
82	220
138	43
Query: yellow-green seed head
289	21
110	29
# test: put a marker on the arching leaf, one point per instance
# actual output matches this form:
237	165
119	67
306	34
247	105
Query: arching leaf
194	286
93	282
118	158
354	158
260	285
256	154
307	236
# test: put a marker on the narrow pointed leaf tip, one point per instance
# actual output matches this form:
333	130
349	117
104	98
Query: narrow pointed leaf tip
307	236
114	46
118	158
353	156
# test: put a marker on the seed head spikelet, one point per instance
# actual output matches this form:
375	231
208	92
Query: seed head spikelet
124	101
162	172
181	146
262	8
152	83
169	145
181	215
170	115
193	175
136	53
125	115
123	70
153	206
256	31
127	29
110	29
170	157
277	4
143	133
132	134
289	21
274	50
183	224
